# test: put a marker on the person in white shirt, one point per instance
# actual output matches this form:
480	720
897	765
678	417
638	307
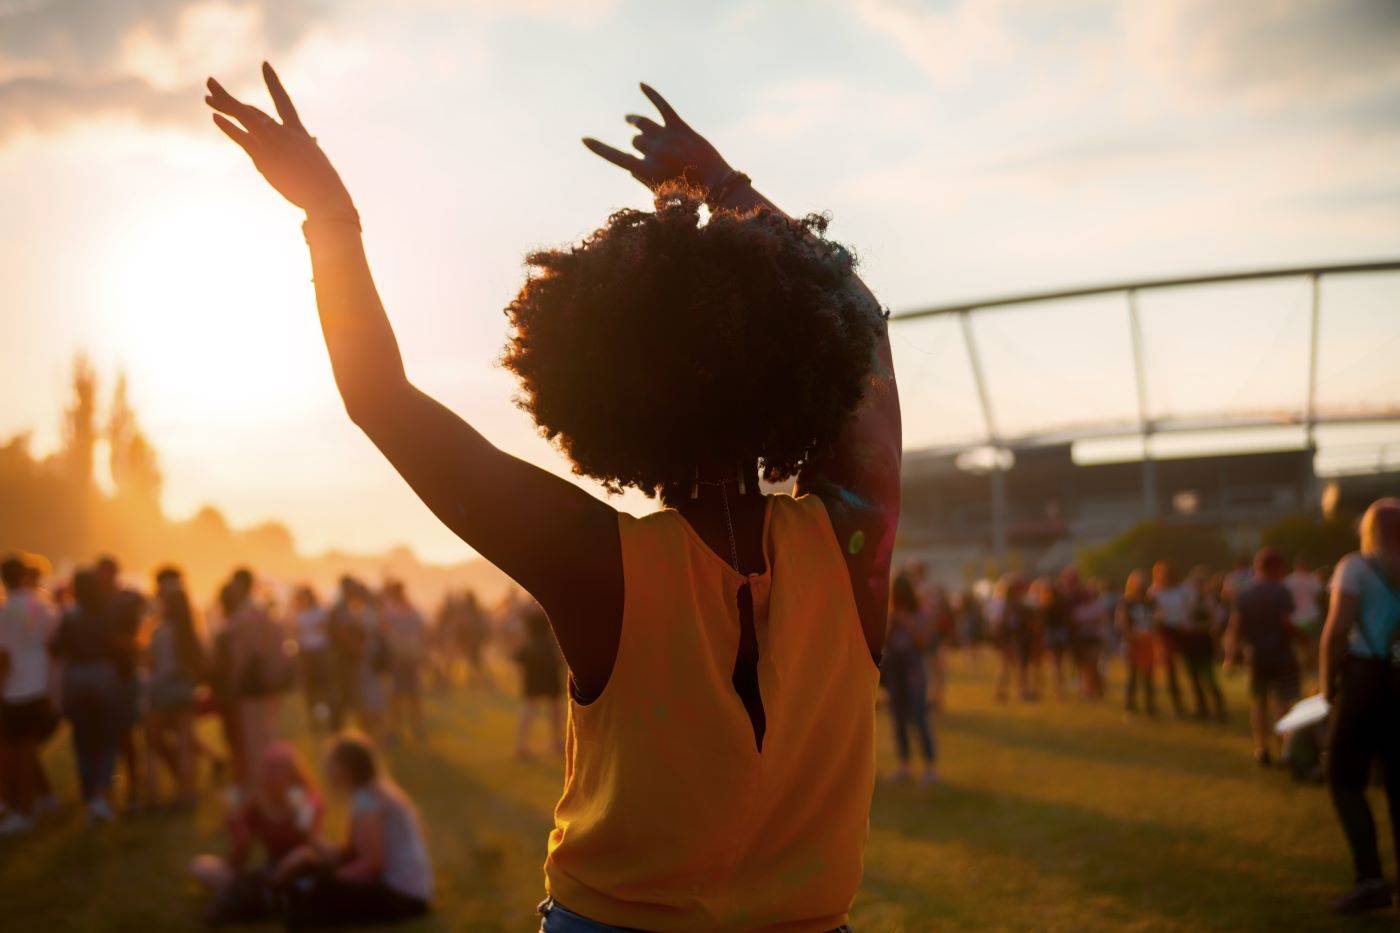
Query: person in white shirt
1174	602
28	716
406	633
1306	589
318	683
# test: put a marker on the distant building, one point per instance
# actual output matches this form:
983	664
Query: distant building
1030	505
1051	506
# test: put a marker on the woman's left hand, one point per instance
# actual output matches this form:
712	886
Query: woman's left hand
670	150
284	153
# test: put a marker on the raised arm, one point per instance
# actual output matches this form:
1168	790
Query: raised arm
857	475
554	539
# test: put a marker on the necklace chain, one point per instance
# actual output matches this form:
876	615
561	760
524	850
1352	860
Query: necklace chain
729	521
728	516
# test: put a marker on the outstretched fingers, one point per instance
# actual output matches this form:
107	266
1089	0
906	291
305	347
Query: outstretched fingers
668	113
233	132
643	124
623	160
253	119
281	99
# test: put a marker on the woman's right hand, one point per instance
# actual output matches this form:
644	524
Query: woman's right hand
284	153
670	150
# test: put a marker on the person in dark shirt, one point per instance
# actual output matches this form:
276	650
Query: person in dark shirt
1261	626
86	652
123	610
542	681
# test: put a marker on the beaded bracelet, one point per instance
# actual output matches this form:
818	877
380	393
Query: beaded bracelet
352	217
717	195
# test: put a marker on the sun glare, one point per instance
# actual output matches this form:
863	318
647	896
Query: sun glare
209	309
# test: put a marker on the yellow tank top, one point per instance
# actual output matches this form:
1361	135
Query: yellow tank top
671	818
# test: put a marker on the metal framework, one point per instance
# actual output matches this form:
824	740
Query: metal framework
1146	426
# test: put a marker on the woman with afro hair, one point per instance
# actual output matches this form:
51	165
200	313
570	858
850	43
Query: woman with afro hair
722	650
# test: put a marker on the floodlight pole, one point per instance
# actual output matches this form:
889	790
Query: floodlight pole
1315	282
1149	466
998	476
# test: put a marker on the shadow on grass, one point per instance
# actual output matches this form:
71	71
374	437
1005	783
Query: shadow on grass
1152	870
489	828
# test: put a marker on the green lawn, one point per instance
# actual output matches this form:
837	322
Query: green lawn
1050	816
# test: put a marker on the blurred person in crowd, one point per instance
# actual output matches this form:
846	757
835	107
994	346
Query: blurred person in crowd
1197	645
1089	623
1359	669
311	623
1137	627
1015	636
475	638
124	610
1308	612
406	635
1173	603
1239	579
28	716
1053	602
541	681
1261	631
903	675
170	582
382	872
174	663
281	815
471	632
221	700
347	644
94	695
442	654
259	672
364	654
971	622
938	619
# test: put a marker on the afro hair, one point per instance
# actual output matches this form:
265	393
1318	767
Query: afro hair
665	340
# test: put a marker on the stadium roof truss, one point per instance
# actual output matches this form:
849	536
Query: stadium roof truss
1145	426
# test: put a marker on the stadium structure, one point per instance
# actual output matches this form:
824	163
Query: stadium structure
1031	498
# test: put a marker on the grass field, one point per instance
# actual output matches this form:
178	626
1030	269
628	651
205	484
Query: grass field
1050	816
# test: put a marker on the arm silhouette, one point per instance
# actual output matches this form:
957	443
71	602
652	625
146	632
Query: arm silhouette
550	536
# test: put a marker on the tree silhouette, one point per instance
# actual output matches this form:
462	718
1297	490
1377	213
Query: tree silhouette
53	506
131	458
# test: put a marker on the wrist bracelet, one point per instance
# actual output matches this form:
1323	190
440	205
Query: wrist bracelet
350	217
727	186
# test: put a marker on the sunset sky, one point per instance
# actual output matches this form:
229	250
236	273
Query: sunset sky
963	149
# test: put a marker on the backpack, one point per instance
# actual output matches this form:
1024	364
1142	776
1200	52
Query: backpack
1391	651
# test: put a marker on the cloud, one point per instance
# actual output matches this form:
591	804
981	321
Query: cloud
967	39
45	104
1194	53
64	60
1098	93
1272	53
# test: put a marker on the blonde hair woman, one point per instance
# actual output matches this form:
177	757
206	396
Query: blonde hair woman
1360	671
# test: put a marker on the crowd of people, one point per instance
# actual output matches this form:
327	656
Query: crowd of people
1056	633
1295	629
134	673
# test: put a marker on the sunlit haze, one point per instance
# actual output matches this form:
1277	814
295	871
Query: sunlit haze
963	149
